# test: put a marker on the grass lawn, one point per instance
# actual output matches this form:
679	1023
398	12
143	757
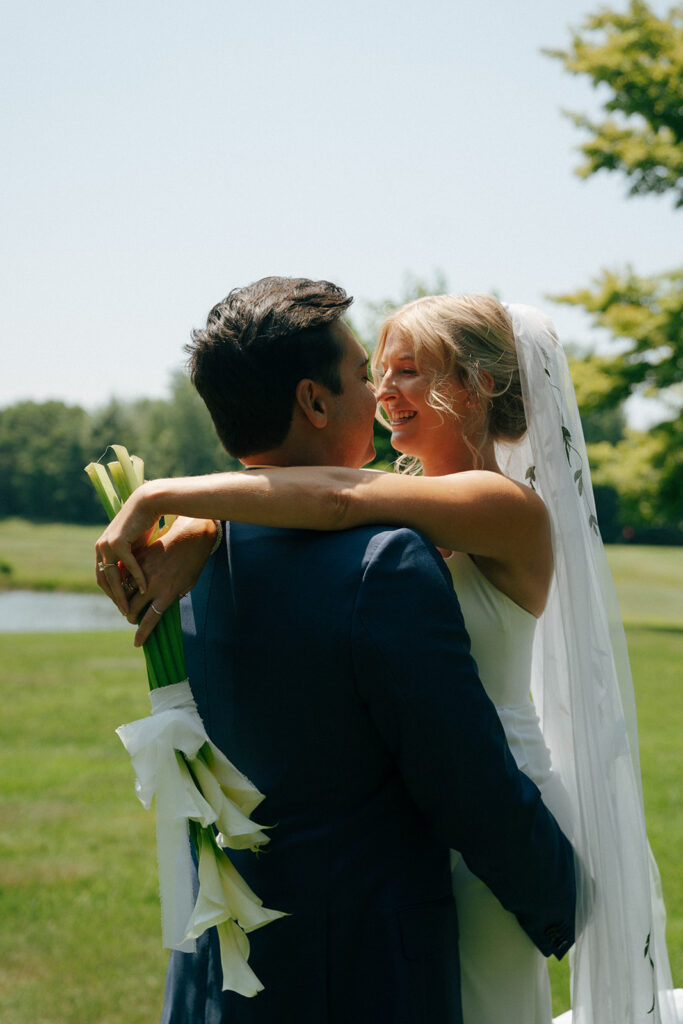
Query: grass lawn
47	556
656	656
80	937
649	582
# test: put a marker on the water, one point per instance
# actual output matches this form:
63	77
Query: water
30	611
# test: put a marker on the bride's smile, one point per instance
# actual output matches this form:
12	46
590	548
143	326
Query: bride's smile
405	393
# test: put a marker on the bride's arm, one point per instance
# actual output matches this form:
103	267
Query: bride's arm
482	513
479	512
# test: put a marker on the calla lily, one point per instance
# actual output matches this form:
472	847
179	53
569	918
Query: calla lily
224	895
234	784
196	787
237	974
237	830
226	902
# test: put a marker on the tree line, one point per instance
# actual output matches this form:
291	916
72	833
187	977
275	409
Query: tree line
45	445
635	58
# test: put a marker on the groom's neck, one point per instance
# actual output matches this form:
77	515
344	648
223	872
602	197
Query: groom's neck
265	461
295	451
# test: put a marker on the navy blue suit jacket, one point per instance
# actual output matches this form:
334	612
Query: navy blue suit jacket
334	670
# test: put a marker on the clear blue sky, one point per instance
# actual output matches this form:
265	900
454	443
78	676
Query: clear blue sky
158	154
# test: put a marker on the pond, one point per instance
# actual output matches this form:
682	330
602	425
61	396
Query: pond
32	611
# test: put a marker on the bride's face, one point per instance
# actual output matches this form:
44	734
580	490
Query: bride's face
404	389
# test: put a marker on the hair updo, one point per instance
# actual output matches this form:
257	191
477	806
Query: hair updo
469	337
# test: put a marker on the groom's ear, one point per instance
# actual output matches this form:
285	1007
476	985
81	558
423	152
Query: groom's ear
310	398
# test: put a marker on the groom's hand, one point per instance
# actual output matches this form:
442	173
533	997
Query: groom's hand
171	567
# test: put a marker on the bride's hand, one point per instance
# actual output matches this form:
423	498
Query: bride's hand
171	566
127	531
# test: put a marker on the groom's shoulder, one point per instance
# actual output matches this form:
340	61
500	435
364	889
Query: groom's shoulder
393	551
365	543
392	543
371	540
368	549
377	542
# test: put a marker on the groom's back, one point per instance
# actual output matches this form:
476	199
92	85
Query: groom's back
334	670
274	669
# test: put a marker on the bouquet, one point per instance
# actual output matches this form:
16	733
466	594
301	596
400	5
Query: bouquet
200	796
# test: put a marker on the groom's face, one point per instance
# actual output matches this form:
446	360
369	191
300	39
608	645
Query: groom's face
351	415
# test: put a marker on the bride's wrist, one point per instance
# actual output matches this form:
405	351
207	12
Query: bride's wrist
160	497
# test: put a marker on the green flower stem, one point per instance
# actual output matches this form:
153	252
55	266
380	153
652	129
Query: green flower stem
175	635
151	672
118	476
139	467
130	472
152	645
196	831
104	488
165	650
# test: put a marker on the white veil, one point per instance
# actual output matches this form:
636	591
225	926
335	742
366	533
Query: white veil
582	688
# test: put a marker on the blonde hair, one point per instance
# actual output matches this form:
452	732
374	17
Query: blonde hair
469	338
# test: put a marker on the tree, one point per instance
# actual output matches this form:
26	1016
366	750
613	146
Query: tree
45	445
175	436
187	441
637	59
646	315
43	448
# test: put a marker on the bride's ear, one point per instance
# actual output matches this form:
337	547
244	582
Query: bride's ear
312	403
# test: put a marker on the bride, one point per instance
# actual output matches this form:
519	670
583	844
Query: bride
479	396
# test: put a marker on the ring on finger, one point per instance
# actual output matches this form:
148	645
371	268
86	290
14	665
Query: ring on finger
155	609
129	586
106	565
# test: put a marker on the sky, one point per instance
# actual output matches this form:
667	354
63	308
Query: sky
158	154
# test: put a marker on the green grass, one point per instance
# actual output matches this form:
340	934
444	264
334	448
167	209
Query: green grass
47	556
656	655
80	940
648	582
80	937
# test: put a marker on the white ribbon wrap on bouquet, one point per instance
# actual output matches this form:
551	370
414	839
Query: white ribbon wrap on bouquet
226	798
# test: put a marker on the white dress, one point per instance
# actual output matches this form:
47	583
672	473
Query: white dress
504	976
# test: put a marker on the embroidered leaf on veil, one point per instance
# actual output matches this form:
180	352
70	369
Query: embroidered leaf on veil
648	956
569	447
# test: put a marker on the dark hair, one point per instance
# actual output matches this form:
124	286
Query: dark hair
258	343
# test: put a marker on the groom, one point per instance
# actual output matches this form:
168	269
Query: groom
334	669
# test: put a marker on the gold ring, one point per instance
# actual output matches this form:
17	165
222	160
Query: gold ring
155	609
106	565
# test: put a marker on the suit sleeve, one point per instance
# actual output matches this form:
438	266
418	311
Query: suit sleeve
415	673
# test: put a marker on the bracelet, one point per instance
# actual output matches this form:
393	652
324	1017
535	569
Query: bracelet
218	538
